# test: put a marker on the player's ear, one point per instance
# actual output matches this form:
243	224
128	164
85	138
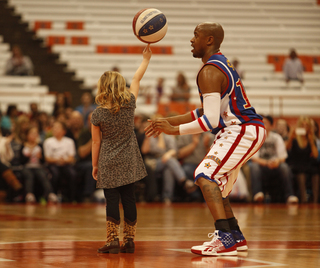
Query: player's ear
210	40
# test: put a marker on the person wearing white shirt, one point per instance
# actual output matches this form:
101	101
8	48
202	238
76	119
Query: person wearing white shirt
59	153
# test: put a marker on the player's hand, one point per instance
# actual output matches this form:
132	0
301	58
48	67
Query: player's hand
162	125
95	173
150	131
147	52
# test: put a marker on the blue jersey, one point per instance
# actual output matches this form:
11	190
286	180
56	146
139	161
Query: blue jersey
235	108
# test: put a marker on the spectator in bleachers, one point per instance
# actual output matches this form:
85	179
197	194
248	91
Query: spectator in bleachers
61	104
6	152
236	65
8	120
303	153
317	136
44	125
191	150
19	64
34	172
269	171
60	152
34	111
86	107
293	68
7	177
163	149
159	88
84	162
282	128
181	92
147	189
75	125
317	164
19	137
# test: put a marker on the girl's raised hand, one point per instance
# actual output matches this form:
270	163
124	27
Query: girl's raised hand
147	52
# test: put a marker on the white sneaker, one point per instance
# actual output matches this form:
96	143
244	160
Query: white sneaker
292	199
221	244
52	198
258	197
30	198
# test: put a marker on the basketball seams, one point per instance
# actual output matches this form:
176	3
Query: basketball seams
135	20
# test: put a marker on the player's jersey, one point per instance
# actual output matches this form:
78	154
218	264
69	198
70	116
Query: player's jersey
235	108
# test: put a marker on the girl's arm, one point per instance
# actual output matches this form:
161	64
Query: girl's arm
135	83
96	141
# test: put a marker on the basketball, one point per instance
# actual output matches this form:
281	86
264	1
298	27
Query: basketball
150	25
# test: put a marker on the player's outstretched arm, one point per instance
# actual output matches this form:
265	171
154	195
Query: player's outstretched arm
184	118
135	83
171	123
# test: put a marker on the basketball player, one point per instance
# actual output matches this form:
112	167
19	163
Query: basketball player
240	132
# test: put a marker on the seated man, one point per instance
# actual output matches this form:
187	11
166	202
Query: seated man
293	68
19	64
59	153
268	165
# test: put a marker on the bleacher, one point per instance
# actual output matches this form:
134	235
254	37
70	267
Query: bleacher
254	31
21	90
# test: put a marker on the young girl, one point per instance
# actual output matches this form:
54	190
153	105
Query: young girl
116	158
32	154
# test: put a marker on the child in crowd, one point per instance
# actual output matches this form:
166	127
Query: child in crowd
32	154
116	158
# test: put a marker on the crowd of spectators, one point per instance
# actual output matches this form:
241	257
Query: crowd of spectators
47	158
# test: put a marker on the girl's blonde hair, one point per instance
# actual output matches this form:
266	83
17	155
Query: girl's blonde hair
112	91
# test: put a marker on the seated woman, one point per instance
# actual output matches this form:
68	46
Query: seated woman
303	153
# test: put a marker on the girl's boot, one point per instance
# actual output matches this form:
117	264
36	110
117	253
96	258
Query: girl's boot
129	232
112	244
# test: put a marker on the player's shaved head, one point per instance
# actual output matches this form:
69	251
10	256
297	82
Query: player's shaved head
212	29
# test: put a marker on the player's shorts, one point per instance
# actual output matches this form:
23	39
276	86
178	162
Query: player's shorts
231	149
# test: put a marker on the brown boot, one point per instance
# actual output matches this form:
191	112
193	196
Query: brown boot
112	244
129	232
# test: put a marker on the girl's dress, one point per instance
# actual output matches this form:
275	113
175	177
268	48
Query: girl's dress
120	162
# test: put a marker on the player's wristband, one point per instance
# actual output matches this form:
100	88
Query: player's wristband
195	114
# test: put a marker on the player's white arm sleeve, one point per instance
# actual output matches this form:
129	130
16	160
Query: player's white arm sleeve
210	118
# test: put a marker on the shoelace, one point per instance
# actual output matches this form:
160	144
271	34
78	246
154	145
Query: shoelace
215	236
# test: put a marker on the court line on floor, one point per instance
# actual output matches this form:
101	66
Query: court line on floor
3	260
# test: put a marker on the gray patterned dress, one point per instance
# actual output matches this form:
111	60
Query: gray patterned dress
120	161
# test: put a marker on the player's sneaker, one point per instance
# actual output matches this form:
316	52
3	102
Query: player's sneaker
241	242
221	244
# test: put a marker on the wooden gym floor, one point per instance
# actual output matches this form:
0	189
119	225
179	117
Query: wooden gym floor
33	236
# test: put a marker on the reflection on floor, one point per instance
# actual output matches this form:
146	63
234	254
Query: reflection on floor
69	235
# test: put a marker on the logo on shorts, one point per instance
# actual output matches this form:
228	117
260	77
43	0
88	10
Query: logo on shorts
207	165
214	158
